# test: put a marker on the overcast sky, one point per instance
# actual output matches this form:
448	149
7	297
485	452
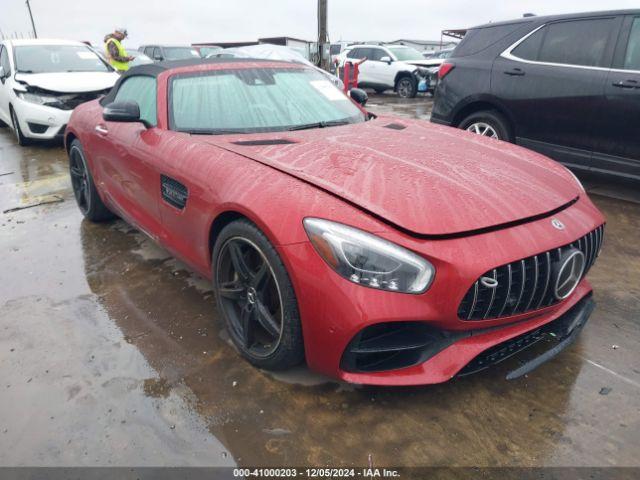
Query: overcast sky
189	21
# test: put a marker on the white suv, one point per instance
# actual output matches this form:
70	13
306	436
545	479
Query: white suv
42	81
390	67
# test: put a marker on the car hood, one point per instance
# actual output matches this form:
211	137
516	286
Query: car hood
434	62
422	63
69	82
425	179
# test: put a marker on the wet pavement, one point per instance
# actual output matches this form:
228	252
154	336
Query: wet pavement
111	353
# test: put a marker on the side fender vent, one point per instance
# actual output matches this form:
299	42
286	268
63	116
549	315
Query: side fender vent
173	192
268	141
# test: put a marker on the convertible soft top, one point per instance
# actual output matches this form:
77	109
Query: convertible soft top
155	69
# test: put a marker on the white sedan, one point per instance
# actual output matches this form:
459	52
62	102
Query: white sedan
42	81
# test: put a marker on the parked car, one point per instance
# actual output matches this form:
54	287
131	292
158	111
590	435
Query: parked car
435	58
567	86
160	53
333	235
209	50
42	81
139	58
389	67
266	51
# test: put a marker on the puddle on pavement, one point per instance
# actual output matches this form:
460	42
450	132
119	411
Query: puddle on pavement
121	344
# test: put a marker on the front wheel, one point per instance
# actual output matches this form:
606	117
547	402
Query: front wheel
84	189
255	297
487	123
407	87
22	140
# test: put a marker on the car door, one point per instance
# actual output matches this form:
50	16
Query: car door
4	85
616	132
382	73
366	76
128	155
551	82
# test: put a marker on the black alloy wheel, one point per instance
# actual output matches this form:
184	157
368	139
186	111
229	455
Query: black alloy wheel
250	296
79	179
256	298
84	189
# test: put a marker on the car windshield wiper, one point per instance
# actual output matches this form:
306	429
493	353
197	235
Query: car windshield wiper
335	123
24	71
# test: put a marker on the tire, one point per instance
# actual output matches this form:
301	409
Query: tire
22	140
487	121
272	341
84	189
406	87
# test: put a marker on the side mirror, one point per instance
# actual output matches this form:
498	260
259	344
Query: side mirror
122	112
3	74
359	96
157	58
386	59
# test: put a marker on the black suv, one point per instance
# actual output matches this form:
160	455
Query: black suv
567	86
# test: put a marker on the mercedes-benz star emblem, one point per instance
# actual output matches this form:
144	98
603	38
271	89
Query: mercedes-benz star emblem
489	282
557	224
569	272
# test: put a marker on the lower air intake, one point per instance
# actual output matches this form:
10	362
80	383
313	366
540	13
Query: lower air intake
394	345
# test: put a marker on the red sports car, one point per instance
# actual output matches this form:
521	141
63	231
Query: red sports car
380	250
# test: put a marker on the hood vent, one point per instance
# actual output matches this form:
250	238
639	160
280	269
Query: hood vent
267	141
395	126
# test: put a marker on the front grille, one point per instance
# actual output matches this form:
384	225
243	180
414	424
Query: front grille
524	285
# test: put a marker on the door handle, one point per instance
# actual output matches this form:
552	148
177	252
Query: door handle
101	129
627	84
514	72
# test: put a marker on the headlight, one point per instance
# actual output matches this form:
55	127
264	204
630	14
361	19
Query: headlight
368	260
40	99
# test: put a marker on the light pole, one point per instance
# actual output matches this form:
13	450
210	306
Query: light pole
33	25
323	35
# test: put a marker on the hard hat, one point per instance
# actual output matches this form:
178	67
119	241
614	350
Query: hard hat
122	31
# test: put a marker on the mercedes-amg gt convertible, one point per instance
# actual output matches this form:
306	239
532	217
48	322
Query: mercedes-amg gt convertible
379	250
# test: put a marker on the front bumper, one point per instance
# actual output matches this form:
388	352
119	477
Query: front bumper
40	121
334	311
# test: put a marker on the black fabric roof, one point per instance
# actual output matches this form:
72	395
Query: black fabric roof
155	69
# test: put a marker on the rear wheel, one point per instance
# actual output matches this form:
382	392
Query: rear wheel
487	123
22	140
255	297
406	87
84	189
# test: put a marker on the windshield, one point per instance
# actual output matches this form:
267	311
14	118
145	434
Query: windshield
57	58
180	53
258	100
406	53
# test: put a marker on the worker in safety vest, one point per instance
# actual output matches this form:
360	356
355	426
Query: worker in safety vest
116	54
